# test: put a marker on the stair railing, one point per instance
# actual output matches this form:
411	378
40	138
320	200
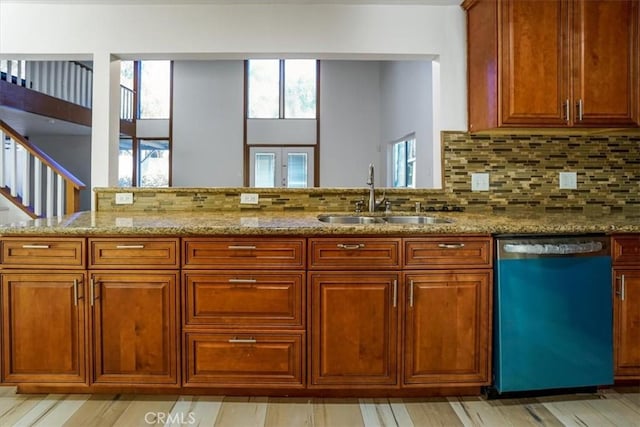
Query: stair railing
41	195
67	80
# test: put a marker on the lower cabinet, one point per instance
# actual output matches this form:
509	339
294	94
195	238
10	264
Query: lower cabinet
447	328
354	326
44	329
134	319
244	358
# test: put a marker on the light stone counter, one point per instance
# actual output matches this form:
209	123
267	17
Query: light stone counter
307	224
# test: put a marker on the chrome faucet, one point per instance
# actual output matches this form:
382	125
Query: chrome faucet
373	203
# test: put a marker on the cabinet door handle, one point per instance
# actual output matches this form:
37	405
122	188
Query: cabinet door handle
350	245
451	245
395	293
567	110
130	247
35	246
242	280
92	294
621	292
236	340
75	292
411	293
241	247
580	105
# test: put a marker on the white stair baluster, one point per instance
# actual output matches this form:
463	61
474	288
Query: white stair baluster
78	73
89	88
60	195
83	86
37	75
3	166
13	169
64	78
28	73
72	82
37	186
49	194
26	179
9	71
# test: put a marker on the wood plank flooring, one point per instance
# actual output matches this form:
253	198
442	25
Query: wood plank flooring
619	407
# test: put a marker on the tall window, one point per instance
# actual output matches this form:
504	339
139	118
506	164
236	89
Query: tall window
155	89
404	163
144	161
281	89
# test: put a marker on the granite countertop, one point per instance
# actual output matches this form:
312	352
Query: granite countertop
90	223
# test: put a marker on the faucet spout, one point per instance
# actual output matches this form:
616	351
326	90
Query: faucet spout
372	189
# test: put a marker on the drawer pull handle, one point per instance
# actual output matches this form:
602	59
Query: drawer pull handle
451	245
235	340
350	245
242	280
241	247
35	246
130	247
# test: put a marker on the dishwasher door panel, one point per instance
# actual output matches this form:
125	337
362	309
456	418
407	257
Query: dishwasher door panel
553	323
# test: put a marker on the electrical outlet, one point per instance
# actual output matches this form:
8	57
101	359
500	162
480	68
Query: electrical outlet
249	198
124	198
568	180
480	181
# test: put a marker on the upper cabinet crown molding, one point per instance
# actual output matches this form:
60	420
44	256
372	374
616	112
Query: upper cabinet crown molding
553	63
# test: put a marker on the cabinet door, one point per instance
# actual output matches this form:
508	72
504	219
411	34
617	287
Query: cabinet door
534	60
605	60
626	323
448	316
354	328
43	333
135	327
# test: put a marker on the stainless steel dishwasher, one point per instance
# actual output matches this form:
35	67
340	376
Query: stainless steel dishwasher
552	313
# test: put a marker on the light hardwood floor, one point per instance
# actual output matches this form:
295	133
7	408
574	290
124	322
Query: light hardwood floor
618	407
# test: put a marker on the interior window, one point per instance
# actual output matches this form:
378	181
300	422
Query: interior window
155	89
404	163
281	89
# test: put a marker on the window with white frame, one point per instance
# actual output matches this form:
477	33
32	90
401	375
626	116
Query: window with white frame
403	162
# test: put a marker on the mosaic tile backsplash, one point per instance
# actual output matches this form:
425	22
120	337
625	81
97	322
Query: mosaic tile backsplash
524	173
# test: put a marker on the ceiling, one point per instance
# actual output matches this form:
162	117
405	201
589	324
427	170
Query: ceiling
28	124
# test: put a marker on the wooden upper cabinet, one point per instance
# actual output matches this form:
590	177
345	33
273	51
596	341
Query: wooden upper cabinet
605	73
552	63
534	63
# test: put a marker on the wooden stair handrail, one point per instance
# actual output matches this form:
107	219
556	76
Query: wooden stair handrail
44	158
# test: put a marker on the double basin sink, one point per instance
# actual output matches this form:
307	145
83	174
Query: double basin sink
389	219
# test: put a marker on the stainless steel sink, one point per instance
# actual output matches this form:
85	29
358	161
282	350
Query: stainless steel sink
350	219
416	220
396	219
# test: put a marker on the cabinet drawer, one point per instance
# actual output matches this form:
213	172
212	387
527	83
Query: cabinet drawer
354	253
133	253
244	298
625	250
244	358
35	252
243	253
448	252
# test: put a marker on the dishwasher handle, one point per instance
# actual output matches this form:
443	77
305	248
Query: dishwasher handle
549	247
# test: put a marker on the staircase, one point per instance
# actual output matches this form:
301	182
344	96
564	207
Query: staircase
33	181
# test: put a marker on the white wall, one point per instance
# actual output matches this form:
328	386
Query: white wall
73	153
195	31
207	123
407	108
349	122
